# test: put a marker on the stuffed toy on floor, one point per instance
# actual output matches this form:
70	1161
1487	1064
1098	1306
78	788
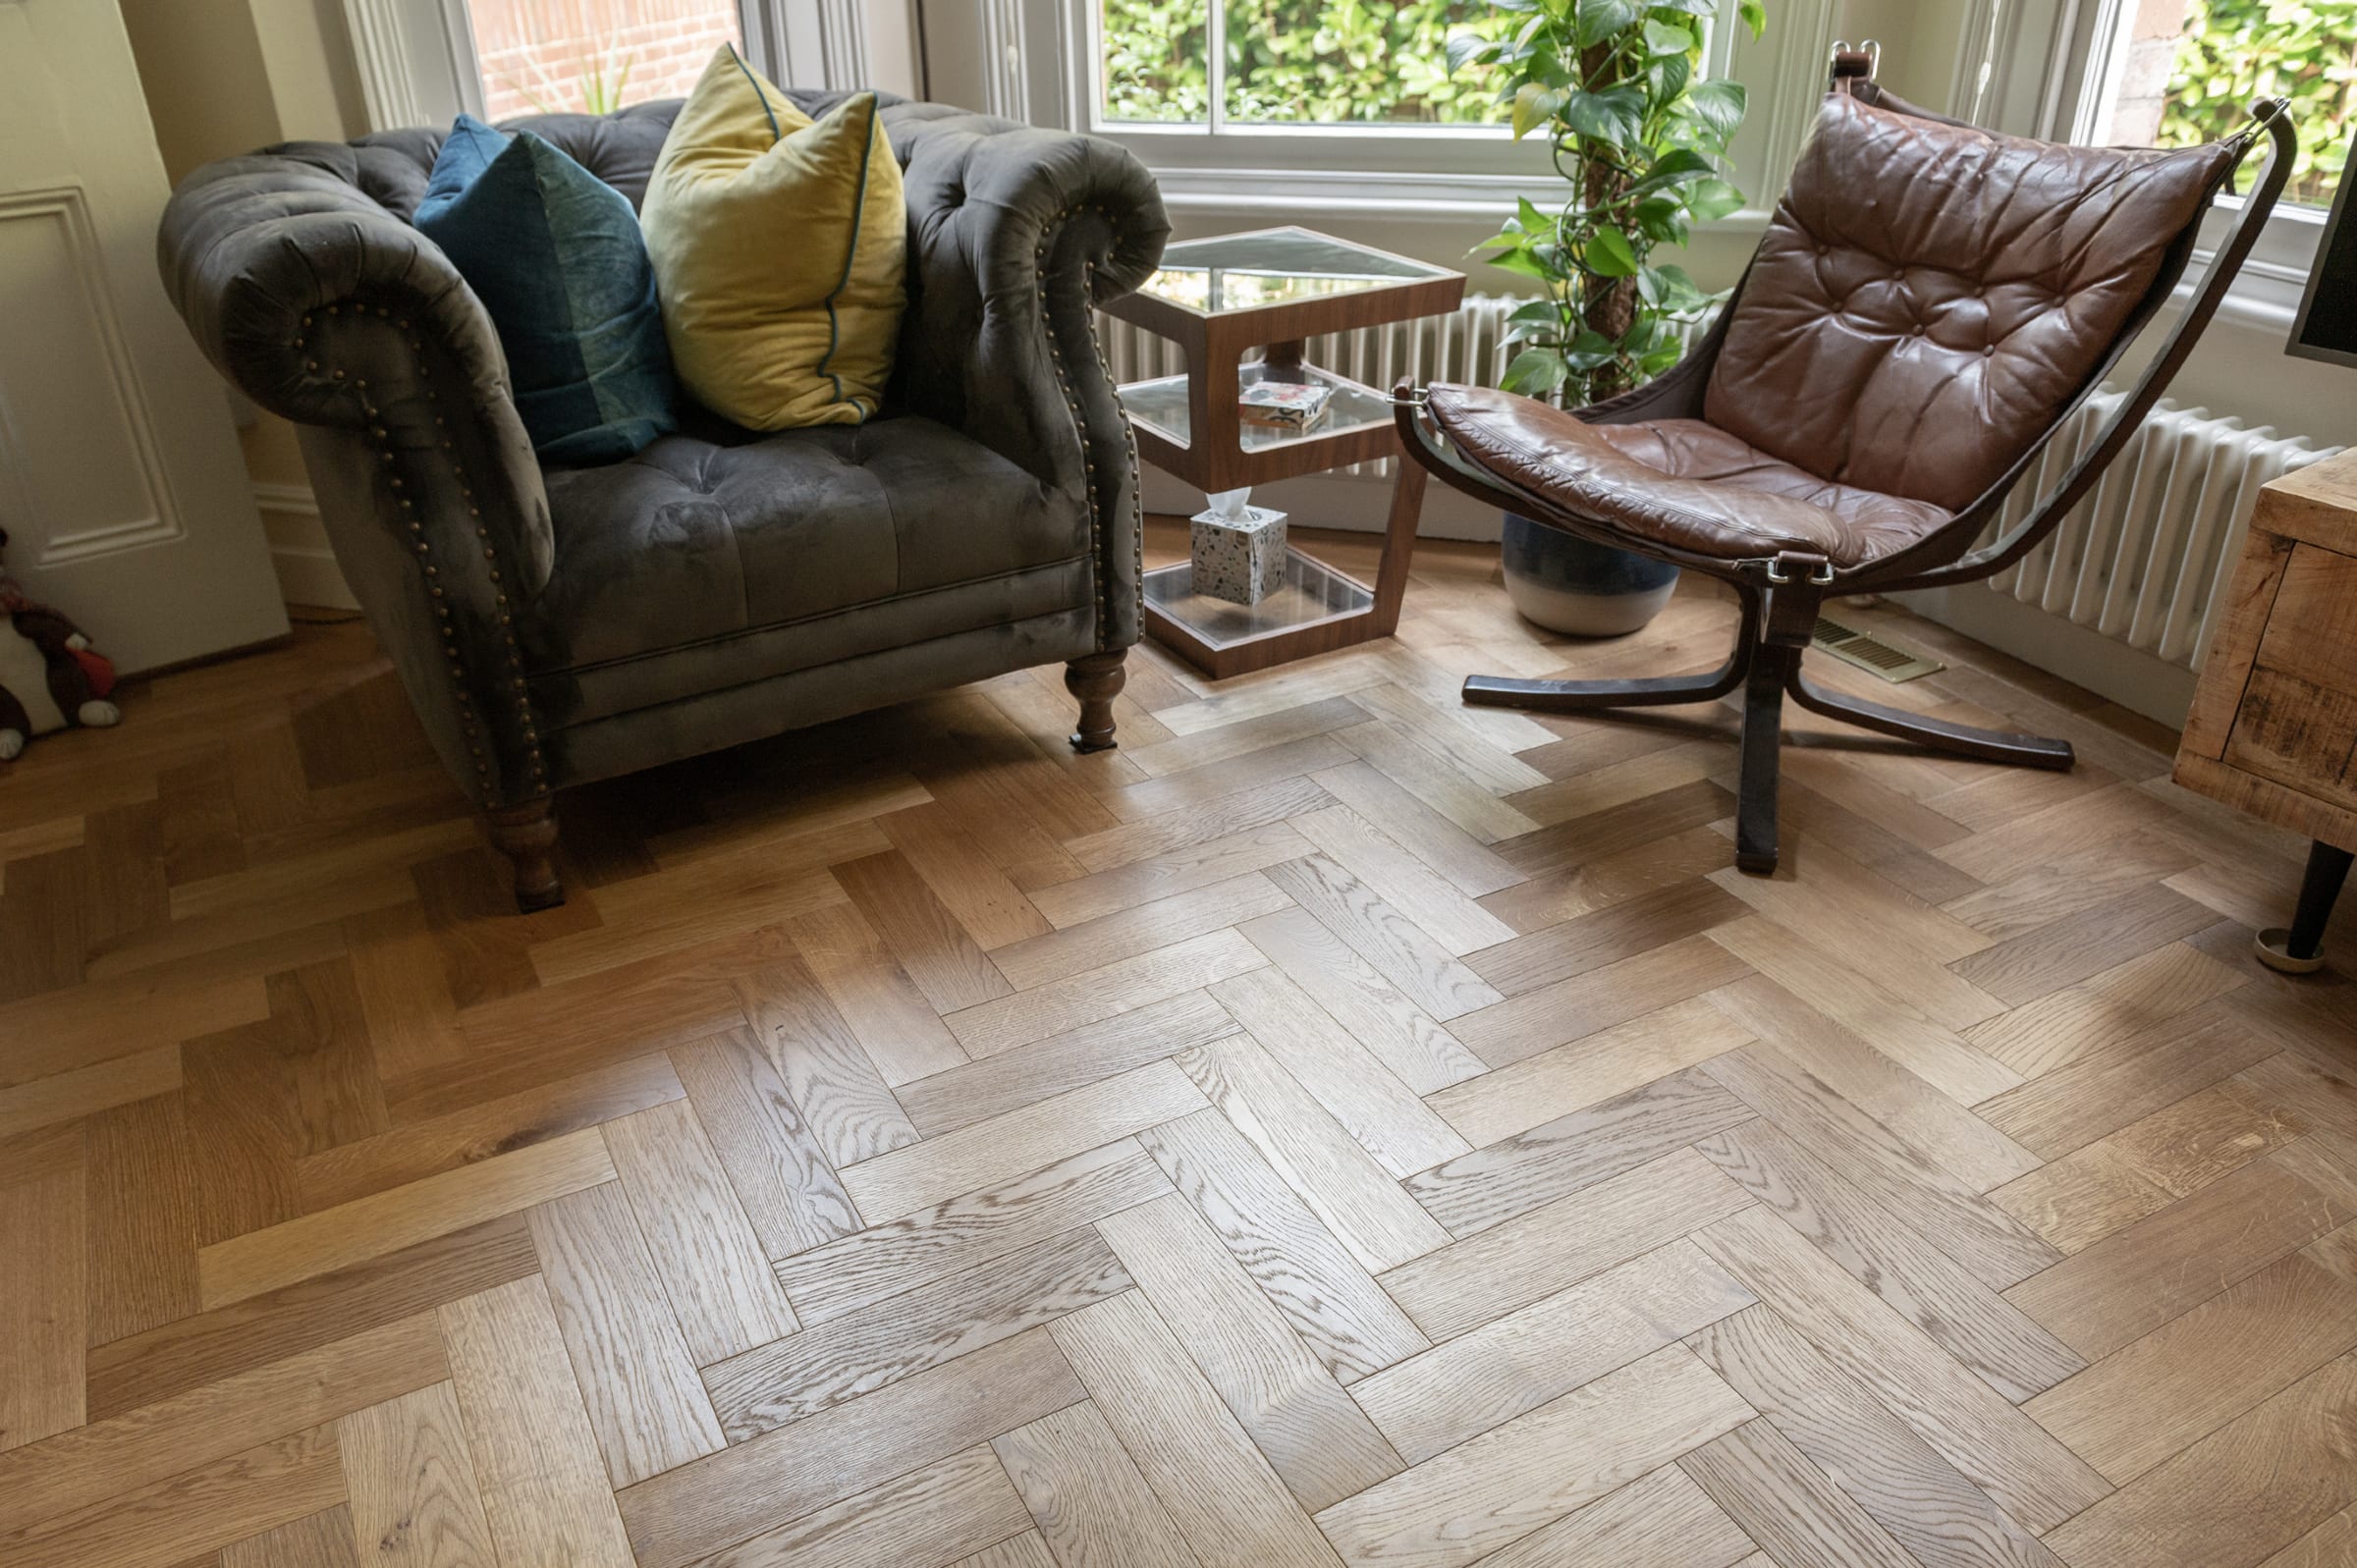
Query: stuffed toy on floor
49	678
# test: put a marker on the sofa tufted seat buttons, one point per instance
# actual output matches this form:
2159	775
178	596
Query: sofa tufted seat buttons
713	532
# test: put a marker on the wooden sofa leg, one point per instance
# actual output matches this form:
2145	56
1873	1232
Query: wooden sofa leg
1096	679
526	835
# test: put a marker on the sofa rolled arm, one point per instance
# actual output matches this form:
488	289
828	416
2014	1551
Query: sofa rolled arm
324	307
1015	235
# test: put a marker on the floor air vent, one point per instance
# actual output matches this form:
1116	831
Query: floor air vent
1872	653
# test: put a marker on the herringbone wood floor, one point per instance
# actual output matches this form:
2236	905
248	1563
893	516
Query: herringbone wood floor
1339	1125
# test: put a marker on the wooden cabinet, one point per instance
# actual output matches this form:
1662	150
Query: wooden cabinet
2274	725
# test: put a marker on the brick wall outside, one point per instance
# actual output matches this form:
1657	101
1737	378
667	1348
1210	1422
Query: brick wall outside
540	56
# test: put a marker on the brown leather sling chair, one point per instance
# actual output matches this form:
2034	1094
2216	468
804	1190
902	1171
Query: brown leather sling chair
1930	304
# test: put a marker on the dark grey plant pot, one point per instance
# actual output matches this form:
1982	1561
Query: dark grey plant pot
1567	584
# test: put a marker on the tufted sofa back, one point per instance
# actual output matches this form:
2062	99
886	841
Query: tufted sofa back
1929	296
620	148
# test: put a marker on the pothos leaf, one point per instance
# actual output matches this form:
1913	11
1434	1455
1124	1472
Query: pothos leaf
1522	264
1611	255
1466	49
1615	115
1535	372
1708	199
1535	103
1666	37
1754	15
1717	104
1599	19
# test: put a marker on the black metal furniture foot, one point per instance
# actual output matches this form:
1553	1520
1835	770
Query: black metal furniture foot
2299	951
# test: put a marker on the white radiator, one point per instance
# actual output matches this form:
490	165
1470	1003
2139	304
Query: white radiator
2120	598
2146	559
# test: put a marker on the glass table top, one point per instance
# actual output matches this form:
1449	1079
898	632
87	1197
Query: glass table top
1162	405
1311	591
1247	270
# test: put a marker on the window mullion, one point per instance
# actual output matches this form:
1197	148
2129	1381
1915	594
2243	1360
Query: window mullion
1215	65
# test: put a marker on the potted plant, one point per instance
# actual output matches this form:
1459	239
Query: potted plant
1638	140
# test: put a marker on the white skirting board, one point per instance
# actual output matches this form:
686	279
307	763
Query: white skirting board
2138	681
307	573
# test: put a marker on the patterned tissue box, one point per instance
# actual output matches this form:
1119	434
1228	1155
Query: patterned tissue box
1240	559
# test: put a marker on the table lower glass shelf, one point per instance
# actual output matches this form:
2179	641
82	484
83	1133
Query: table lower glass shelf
1312	592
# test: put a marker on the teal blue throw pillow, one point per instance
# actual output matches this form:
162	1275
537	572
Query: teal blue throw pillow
555	255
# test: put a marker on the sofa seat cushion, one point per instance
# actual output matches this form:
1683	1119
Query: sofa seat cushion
713	534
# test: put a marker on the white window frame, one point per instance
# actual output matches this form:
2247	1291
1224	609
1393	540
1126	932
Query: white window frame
1413	172
417	65
2047	68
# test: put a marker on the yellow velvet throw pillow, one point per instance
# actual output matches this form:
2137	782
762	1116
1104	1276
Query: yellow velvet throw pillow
778	243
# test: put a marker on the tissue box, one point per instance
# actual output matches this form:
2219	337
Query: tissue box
1240	559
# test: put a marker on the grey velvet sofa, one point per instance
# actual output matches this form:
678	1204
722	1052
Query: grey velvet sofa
562	625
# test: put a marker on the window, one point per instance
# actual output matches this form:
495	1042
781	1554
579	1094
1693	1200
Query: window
593	56
1294	62
2187	70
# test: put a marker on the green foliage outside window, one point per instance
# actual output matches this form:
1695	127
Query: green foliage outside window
1301	62
2234	52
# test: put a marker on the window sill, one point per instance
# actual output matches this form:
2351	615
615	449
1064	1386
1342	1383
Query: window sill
1309	194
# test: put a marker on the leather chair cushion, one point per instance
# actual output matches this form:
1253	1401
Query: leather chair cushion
714	533
1929	297
1678	482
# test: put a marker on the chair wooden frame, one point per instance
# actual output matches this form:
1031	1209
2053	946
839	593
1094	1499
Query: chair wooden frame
1781	595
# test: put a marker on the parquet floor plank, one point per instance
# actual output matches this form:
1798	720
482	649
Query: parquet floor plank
1555	1246
1775	1495
835	1362
1485	1492
792	1470
1983	1238
317	1540
1424	1055
408	1475
369	1228
1327	1169
1374	1107
1660	1520
2137	1278
1500	1180
1090	1502
966	1232
2000	1344
1315	1436
760	1134
1219	1489
894	1024
1339	1126
1517	1362
1424	970
42	1292
649	1408
1899	1480
2229	1499
73	1468
1333	1302
2030	1475
543	1487
905	1181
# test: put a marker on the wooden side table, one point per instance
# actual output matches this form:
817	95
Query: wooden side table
1219	299
2274	725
